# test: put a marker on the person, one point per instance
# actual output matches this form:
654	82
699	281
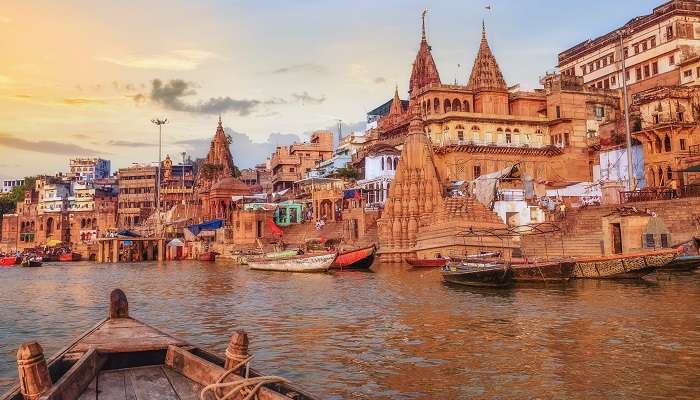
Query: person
673	185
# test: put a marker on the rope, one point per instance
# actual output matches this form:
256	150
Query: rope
246	387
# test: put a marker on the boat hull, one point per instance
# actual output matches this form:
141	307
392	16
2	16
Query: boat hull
313	263
632	266
682	263
31	264
426	262
556	271
208	256
488	276
66	257
9	261
355	259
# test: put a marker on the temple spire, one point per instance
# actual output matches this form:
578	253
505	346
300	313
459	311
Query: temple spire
423	37
486	74
396	107
220	126
424	70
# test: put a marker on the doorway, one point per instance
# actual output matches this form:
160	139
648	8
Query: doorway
616	238
258	229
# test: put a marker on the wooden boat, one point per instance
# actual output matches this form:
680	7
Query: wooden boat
70	256
624	266
355	259
303	263
30	263
682	263
208	256
9	261
123	358
426	262
547	271
478	274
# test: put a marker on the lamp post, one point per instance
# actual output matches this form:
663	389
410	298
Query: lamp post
160	123
631	184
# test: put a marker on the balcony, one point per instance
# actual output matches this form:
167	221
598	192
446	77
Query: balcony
659	193
278	160
285	177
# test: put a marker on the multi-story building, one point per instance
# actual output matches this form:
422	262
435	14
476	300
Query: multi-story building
9	184
377	166
486	126
177	183
291	163
88	169
655	48
137	185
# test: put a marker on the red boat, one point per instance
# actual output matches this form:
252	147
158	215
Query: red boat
208	256
427	262
70	257
355	259
9	261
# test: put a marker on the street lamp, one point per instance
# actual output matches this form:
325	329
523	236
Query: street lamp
160	123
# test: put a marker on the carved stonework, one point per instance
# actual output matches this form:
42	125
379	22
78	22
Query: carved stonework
486	74
219	162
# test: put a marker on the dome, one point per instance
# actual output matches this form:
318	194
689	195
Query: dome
231	186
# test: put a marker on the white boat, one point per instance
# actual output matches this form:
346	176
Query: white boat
304	263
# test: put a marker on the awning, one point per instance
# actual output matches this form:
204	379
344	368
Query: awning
175	243
53	242
206	226
694	168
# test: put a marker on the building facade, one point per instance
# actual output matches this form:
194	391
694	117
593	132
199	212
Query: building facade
137	199
291	163
9	184
656	48
89	169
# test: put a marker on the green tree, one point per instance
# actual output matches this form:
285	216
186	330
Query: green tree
347	172
8	201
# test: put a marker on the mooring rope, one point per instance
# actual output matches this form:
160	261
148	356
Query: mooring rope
246	387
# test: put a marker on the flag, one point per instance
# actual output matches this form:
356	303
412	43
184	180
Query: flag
273	227
488	7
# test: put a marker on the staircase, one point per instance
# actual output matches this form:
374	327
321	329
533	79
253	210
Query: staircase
298	234
580	236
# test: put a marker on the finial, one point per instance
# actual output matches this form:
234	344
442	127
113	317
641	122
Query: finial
483	29
219	119
423	23
396	89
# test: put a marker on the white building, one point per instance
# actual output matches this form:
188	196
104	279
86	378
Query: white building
378	166
82	197
654	48
613	166
8	184
53	198
88	169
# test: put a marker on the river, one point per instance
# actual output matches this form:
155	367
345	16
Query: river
398	333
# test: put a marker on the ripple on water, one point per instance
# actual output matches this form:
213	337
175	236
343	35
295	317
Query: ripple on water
394	334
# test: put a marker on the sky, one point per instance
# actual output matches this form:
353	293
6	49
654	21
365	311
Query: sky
86	77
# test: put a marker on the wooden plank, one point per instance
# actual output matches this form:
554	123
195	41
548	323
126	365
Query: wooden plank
151	383
129	392
90	393
185	388
111	385
78	378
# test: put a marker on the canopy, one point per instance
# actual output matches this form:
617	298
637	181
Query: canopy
694	168
127	233
53	242
486	186
175	243
206	226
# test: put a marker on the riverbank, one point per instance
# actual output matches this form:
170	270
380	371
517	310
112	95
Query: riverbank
396	333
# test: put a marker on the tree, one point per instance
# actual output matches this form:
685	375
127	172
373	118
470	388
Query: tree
8	201
347	172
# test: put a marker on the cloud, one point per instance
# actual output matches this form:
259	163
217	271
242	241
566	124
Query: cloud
379	79
81	101
304	97
246	153
45	146
176	60
138	98
171	93
128	143
302	68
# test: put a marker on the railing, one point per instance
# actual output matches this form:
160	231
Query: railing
694	150
511	196
524	145
659	193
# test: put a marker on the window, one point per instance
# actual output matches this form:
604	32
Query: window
649	241
671	60
647	72
667	148
638	73
644	46
655	68
477	171
460	135
688	73
653	41
599	111
656	118
583	69
664	240
682	144
558	112
509	138
669	32
636	49
679	116
605	62
606	84
625	52
597	64
612	80
627	75
291	169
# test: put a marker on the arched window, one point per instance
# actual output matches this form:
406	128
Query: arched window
456	105
516	130
657	144
661	177
436	105
82	223
507	129
396	165
94	223
669	173
499	130
424	109
667	144
429	107
538	131
382	163
465	106
448	105
388	162
475	128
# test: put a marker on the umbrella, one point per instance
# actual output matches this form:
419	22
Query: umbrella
53	242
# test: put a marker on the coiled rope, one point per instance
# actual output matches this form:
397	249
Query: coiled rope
246	387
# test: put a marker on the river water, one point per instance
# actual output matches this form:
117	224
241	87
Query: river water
397	333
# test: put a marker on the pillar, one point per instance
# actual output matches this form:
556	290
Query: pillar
34	378
237	350
98	259
161	243
115	250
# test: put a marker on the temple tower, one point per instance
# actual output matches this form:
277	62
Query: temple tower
424	70
219	162
486	81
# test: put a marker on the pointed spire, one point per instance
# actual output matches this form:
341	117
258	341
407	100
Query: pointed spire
424	70
486	74
220	126
396	107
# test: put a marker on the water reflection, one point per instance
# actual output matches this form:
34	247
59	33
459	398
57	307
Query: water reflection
397	333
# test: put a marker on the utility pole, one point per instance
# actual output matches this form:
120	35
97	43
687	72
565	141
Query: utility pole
631	181
340	131
160	123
